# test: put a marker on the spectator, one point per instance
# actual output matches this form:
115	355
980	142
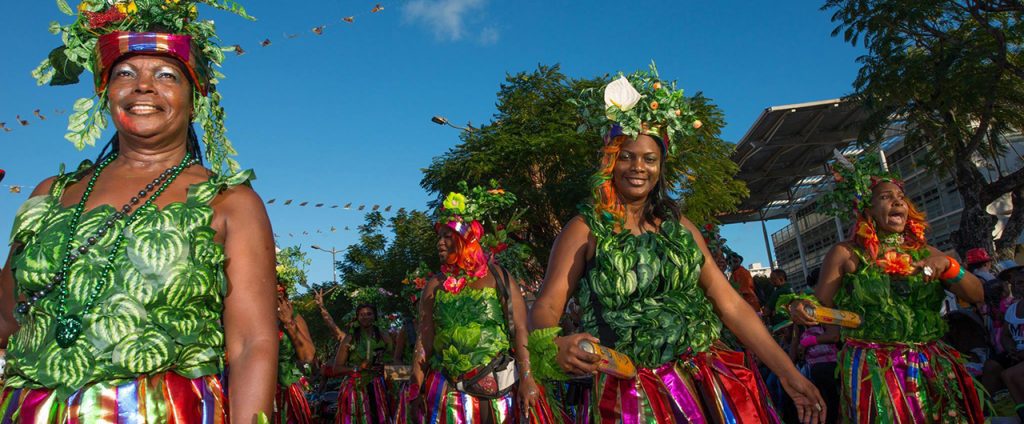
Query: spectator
980	263
1013	338
780	286
743	282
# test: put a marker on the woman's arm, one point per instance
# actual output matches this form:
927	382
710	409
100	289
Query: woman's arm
250	321
305	353
318	296
568	260
968	288
396	356
341	358
748	328
425	342
839	260
8	325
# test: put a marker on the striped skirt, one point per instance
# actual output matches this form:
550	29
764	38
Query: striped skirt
446	405
907	383
161	398
290	404
363	399
716	386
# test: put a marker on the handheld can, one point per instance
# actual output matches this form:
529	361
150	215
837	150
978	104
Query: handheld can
612	363
834	316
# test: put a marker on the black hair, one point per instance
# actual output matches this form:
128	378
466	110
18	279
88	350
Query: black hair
813	277
780	271
357	335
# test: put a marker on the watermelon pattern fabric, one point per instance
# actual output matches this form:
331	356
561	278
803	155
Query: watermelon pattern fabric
645	289
159	311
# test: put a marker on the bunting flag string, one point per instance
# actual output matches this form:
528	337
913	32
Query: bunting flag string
238	49
324	205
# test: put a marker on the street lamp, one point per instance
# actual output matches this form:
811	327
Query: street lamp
440	120
334	260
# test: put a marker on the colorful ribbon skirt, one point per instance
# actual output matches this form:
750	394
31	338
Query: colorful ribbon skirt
446	405
290	404
907	383
363	399
717	386
161	398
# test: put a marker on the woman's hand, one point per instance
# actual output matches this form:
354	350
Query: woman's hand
284	310
798	312
318	297
810	406
574	360
528	394
933	267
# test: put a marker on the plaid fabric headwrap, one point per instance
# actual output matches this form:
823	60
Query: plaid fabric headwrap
115	45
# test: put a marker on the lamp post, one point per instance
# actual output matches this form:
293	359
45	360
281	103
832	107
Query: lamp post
334	260
440	120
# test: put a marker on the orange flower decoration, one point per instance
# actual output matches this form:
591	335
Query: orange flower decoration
896	263
916	228
867	237
654	105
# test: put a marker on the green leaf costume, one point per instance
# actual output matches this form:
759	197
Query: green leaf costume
645	289
159	311
471	330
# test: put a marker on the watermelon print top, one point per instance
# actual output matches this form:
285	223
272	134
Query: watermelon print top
159	311
641	296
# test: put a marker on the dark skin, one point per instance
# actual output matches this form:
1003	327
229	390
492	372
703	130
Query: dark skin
365	317
889	213
634	175
151	104
446	245
297	330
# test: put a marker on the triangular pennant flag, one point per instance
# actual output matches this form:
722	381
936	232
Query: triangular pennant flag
319	30
319	205
39	115
288	202
265	42
239	50
271	201
303	203
3	126
377	8
23	122
348	205
15	189
349	19
387	209
333	230
334	206
361	207
375	207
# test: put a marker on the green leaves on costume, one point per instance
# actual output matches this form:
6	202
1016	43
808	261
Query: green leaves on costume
543	351
160	310
470	329
905	311
648	293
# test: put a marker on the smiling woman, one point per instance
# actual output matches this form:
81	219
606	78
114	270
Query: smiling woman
118	283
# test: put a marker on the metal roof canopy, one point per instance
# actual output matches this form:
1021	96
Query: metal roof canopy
783	155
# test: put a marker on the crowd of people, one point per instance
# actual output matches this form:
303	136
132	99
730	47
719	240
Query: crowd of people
140	287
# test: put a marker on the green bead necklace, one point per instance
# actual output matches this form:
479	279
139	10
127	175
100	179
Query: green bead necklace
69	326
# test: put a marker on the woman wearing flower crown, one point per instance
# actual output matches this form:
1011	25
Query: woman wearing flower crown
647	284
472	346
114	312
894	368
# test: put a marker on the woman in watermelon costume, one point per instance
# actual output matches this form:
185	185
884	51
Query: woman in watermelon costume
894	368
647	284
118	298
363	398
471	363
295	356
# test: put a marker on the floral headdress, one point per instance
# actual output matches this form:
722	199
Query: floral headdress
853	184
465	212
852	192
106	30
640	103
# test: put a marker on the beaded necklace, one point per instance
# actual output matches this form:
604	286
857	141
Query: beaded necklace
69	326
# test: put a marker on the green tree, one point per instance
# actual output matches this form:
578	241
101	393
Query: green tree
533	149
291	269
951	75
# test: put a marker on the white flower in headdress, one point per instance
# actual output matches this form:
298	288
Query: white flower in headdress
621	94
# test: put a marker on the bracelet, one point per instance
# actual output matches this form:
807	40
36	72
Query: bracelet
954	270
525	374
954	280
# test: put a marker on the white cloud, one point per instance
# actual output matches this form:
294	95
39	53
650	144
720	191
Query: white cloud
448	18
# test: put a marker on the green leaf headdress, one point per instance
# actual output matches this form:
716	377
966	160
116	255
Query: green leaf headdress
461	209
853	184
105	30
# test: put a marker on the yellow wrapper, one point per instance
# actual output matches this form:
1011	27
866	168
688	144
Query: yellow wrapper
834	316
612	363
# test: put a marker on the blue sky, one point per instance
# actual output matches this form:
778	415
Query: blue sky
345	116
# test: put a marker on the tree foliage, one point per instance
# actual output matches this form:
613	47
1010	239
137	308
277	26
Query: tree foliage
951	74
532	147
